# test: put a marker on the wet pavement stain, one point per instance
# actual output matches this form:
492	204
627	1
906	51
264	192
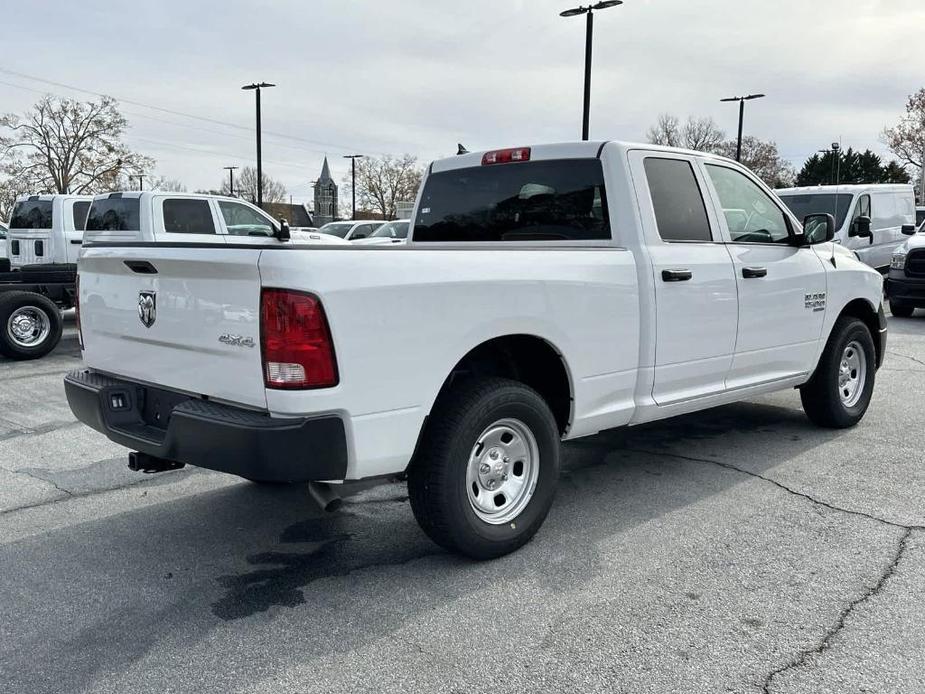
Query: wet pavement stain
330	550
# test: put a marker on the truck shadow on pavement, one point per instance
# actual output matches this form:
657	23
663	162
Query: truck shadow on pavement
168	575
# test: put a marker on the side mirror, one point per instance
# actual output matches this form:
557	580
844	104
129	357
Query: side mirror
818	228
861	228
283	234
908	229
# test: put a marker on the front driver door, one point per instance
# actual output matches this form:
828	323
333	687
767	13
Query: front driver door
782	287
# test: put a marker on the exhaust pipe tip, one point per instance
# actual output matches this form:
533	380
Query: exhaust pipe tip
324	495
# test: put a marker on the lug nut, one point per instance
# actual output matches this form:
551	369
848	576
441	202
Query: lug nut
484	468
493	454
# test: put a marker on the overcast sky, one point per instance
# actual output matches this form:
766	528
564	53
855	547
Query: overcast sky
418	76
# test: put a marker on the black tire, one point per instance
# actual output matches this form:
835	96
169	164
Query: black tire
437	482
900	309
821	396
14	301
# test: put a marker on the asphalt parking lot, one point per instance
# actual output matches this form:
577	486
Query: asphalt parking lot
735	550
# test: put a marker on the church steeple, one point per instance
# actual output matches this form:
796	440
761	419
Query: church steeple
325	196
325	171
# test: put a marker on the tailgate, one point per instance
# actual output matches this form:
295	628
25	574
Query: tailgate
35	248
181	318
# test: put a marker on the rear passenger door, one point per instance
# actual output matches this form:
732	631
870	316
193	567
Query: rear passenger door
695	288
179	219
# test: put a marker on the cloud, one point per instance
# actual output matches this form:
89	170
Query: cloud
377	76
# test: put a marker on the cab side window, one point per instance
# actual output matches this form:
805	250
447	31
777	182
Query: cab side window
680	213
751	214
185	216
241	220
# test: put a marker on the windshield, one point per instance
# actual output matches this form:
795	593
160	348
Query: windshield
819	203
113	214
31	214
339	229
392	230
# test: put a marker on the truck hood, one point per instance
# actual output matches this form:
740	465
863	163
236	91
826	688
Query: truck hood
915	241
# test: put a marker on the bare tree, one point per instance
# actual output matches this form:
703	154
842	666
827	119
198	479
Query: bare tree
763	158
702	134
166	185
666	131
245	186
10	189
384	181
906	139
69	146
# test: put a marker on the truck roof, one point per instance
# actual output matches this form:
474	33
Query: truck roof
53	196
145	194
848	188
562	150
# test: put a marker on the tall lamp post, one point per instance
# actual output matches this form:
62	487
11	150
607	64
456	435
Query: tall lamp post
353	180
257	86
230	170
742	100
589	30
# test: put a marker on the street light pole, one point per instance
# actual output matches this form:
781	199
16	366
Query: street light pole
741	100
230	170
589	32
257	86
140	177
353	181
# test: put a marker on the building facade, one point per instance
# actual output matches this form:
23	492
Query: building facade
325	196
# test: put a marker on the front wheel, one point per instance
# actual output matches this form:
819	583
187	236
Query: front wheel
30	325
838	394
486	472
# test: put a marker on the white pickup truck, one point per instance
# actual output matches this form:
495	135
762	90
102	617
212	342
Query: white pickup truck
545	293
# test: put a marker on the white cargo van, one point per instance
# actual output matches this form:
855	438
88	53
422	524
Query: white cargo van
869	219
46	229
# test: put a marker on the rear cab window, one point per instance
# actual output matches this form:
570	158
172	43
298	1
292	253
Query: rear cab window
31	214
113	214
545	200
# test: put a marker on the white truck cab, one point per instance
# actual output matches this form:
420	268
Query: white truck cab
869	219
545	293
46	229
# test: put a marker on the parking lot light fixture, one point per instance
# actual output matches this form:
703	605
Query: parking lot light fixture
741	100
256	87
589	31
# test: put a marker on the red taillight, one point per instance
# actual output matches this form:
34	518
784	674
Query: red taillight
506	156
297	349
80	335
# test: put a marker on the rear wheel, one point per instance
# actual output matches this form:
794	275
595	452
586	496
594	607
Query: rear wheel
30	325
838	394
900	309
486	472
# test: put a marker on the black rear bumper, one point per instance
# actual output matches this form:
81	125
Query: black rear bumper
176	427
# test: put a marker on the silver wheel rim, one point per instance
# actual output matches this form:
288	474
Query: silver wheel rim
28	326
502	471
852	374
